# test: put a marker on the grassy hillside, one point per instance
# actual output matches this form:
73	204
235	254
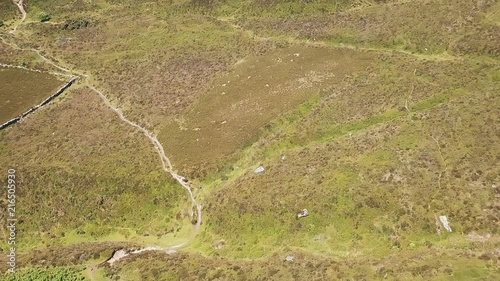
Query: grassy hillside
77	182
376	116
7	12
367	169
30	88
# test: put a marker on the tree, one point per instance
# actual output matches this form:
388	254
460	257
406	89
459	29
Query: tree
44	17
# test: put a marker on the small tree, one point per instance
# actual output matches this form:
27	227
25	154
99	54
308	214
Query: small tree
1	23
44	17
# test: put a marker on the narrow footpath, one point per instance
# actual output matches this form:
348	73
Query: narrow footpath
167	165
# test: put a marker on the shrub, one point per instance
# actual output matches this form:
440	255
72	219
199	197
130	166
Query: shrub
44	17
47	274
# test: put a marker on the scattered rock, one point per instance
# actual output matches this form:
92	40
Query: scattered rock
138	251
289	258
302	214
444	221
219	244
259	170
170	252
392	177
283	157
393	237
117	256
319	237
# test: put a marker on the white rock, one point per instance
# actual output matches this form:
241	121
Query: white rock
259	170
444	221
304	213
118	255
147	249
170	252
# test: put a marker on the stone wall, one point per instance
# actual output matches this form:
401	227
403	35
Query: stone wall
46	101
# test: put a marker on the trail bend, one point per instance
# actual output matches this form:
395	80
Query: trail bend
166	163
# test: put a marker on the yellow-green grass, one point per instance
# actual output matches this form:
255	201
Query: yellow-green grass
409	163
75	182
374	156
401	25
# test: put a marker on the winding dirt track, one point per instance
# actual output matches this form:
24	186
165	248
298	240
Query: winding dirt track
167	165
20	7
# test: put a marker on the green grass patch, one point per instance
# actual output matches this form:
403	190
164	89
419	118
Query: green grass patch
438	99
47	274
356	126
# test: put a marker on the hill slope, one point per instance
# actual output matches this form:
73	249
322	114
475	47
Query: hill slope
376	116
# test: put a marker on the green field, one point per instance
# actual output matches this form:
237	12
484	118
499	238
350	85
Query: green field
376	116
